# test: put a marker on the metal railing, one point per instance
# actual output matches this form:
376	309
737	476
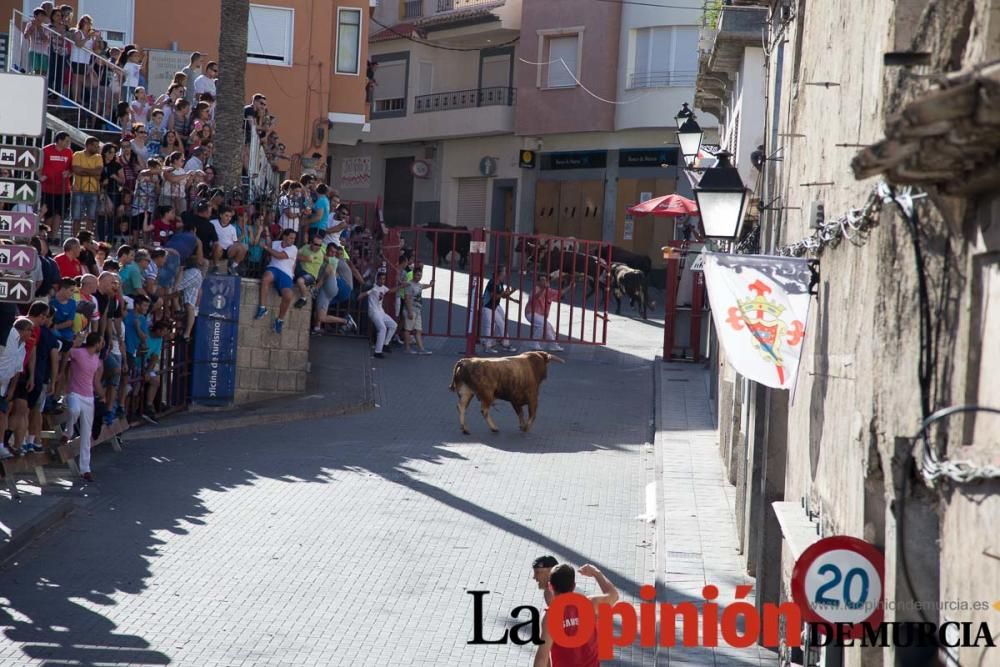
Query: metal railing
464	99
81	82
662	79
413	9
261	176
451	5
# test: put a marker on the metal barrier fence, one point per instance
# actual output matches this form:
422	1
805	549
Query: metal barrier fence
172	377
578	270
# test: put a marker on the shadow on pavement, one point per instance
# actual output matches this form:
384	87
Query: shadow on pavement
54	593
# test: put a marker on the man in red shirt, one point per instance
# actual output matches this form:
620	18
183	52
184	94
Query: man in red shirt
69	259
537	312
57	174
562	580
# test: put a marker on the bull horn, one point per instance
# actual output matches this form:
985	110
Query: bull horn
553	357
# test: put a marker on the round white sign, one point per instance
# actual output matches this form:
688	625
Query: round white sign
842	586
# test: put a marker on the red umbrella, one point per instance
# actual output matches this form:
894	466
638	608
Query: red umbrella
668	206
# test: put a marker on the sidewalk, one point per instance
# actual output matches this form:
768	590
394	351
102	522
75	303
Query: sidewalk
697	538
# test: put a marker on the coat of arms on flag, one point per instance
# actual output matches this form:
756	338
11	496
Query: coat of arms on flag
760	305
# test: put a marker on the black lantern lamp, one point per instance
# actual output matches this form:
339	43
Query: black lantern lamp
683	115
689	137
722	199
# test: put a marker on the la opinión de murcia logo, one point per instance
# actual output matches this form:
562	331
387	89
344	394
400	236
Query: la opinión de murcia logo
738	624
837	595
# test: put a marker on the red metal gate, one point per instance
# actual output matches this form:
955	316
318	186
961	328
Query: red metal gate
461	263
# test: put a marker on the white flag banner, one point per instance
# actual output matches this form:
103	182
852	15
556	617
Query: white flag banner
760	305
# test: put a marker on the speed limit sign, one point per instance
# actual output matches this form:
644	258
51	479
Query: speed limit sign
839	580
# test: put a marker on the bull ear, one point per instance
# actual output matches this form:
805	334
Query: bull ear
551	357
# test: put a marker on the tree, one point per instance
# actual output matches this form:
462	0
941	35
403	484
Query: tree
231	89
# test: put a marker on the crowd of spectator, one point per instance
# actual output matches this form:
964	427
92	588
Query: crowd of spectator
130	227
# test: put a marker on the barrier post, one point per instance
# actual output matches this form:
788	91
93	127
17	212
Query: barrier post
670	300
697	303
477	252
390	252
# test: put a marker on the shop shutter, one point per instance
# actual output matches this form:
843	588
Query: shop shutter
471	203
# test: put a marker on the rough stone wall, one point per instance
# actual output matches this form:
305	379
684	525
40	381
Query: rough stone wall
858	393
269	365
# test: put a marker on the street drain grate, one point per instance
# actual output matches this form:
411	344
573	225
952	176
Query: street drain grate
690	555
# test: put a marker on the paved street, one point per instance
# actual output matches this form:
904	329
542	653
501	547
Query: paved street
353	540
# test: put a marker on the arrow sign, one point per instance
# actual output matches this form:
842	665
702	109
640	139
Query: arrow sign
27	158
13	223
19	192
16	290
18	257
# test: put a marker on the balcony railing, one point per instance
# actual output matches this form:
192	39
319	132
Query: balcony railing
661	79
413	9
450	5
464	99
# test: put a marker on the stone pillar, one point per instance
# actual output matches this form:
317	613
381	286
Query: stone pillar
269	365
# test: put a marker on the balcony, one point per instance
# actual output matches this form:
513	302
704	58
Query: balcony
735	28
449	115
452	5
464	99
661	79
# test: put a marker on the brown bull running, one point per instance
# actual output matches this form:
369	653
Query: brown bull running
514	379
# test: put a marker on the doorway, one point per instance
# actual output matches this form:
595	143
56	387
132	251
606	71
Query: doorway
398	200
502	215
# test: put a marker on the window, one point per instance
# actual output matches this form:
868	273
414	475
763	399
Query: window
562	60
665	56
389	96
348	41
269	35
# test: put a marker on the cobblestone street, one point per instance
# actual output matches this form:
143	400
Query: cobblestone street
352	540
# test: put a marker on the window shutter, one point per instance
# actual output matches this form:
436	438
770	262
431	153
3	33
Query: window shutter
562	48
471	203
269	34
391	78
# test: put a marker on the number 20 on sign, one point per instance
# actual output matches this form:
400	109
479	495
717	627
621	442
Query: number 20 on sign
839	580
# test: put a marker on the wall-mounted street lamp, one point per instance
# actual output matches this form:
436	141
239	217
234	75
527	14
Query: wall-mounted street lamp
683	115
689	137
722	199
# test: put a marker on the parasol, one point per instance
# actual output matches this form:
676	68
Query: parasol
668	206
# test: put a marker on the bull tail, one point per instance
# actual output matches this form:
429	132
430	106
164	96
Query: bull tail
459	367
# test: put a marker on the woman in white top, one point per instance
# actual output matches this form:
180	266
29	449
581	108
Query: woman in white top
83	37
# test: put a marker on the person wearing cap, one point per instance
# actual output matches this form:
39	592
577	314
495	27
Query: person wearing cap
541	570
384	325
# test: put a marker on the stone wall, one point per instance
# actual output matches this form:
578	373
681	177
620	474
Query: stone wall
269	365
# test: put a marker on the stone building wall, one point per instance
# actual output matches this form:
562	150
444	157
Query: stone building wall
857	402
269	365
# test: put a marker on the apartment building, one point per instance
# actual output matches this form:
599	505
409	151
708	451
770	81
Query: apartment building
598	88
548	116
307	56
